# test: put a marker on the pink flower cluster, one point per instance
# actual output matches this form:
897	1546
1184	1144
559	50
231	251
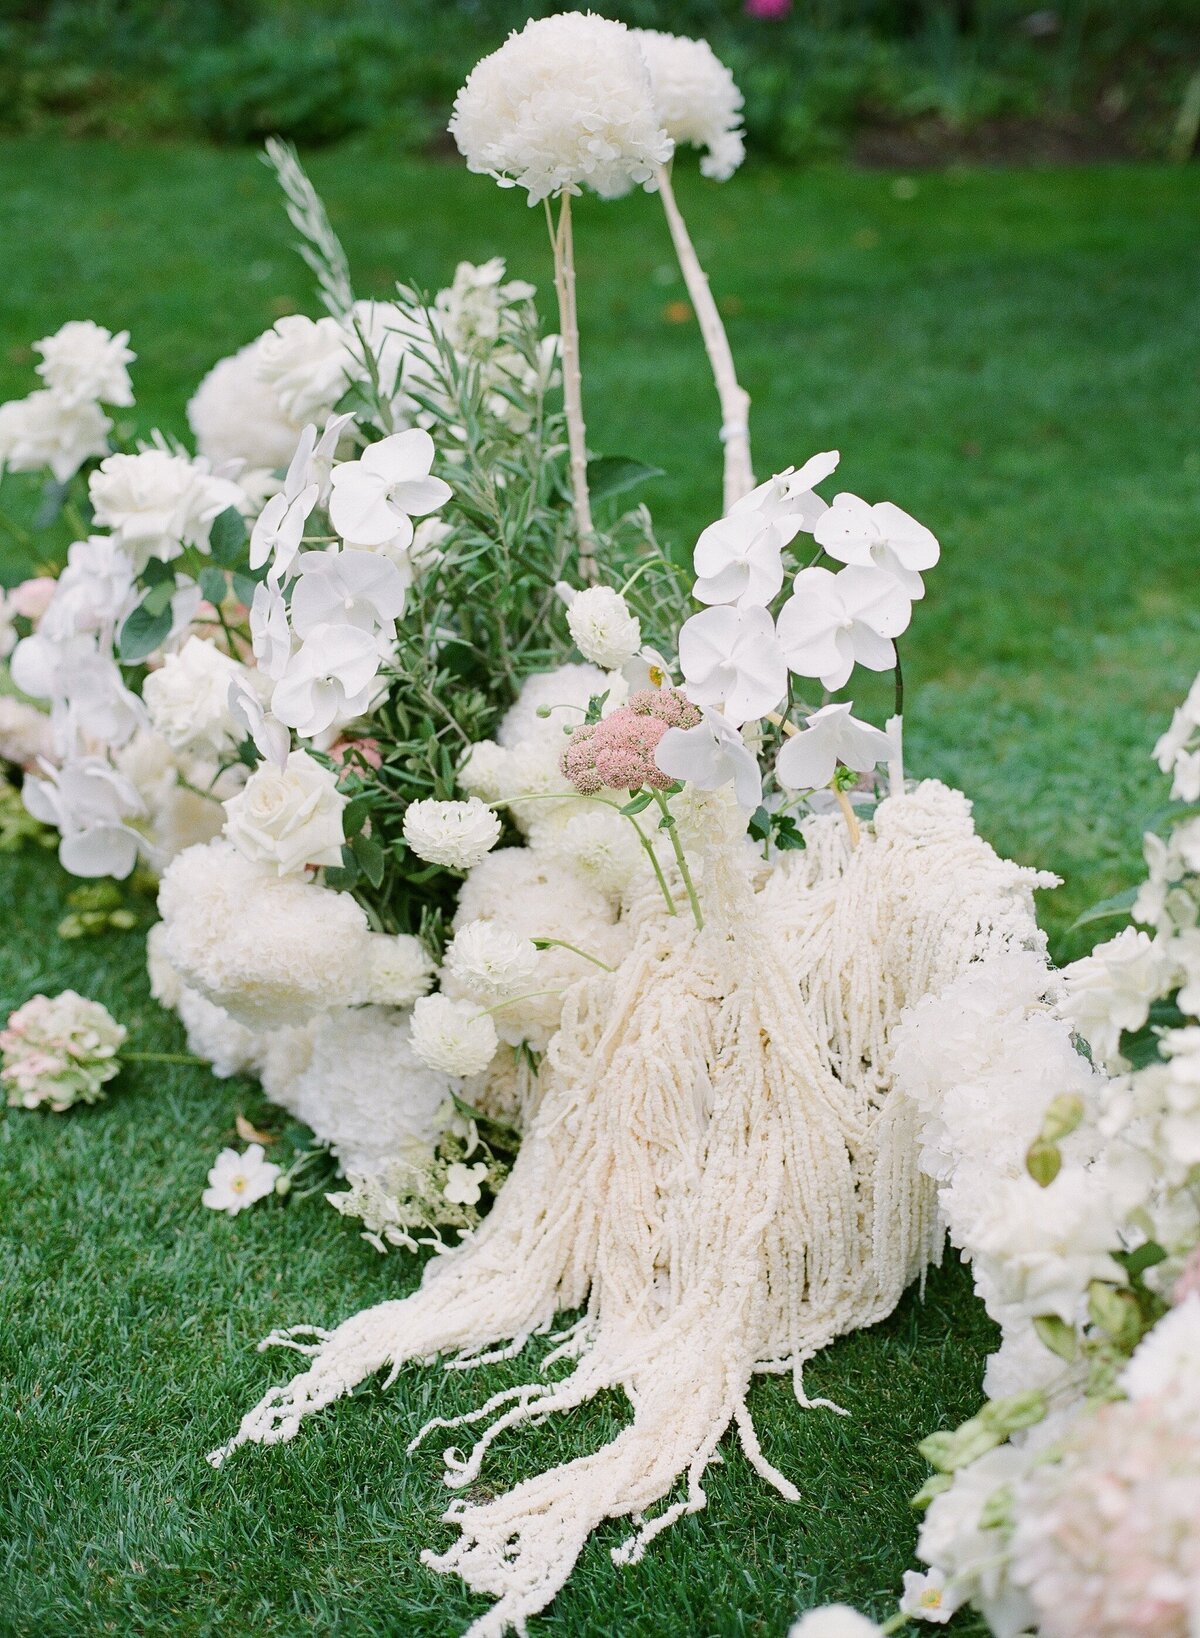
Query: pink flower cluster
58	1051
618	753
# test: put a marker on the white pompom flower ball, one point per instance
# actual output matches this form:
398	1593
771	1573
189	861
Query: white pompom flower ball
453	1036
696	98
454	834
489	962
564	104
603	628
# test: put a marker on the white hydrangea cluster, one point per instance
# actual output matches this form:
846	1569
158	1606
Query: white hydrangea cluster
401	970
696	98
563	104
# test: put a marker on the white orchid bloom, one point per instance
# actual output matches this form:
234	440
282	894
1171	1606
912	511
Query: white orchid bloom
93	705
270	634
375	498
854	532
739	559
710	755
730	658
833	622
279	530
91	804
787	499
270	738
328	678
831	735
351	588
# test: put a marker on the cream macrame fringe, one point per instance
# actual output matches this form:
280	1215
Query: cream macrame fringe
715	1168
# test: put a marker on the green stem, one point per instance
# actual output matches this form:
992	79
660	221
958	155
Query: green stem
896	1623
511	1001
561	944
573	796
680	858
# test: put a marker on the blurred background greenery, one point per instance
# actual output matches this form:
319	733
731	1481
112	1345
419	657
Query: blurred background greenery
888	81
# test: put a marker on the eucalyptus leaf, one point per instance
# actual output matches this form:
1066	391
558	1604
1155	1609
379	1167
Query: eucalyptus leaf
227	537
142	633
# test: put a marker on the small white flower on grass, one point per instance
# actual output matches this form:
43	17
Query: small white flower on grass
41	431
238	1180
831	735
730	658
926	1597
833	622
855	532
375	498
59	1050
453	1036
565	102
490	962
288	817
710	755
834	1621
602	626
455	834
86	364
463	1185
696	98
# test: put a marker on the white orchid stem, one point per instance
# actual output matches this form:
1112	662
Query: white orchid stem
568	323
894	729
843	802
734	399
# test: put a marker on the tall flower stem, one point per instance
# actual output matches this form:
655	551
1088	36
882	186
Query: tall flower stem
602	801
672	831
894	728
848	814
568	322
734	399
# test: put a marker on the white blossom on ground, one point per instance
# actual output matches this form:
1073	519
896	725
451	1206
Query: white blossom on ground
831	735
834	1621
41	432
464	1184
927	1597
603	627
833	622
290	817
564	103
696	99
86	364
730	659
59	1050
455	834
375	498
853	531
238	1180
452	1035
489	962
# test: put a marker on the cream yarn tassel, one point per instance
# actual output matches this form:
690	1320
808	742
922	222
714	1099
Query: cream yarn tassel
715	1167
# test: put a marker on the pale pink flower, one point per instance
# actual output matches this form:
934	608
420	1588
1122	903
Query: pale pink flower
32	597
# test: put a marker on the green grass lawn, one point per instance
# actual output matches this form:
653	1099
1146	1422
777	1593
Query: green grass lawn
1012	357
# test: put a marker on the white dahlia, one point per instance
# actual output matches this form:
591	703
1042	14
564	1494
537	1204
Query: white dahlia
455	834
453	1036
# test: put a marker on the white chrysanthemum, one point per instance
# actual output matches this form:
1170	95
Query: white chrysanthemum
563	694
456	834
358	1082
696	99
489	962
41	431
602	848
453	1036
564	103
484	773
86	364
307	364
532	896
236	415
401	969
603	628
271	950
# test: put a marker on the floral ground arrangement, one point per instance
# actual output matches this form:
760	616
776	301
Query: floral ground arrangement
638	999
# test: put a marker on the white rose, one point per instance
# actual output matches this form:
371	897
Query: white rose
235	415
453	1036
86	364
156	503
289	817
602	627
188	698
43	431
457	834
306	363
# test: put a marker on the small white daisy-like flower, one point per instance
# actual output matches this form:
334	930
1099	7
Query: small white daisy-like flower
463	1185
566	102
603	628
453	1036
455	834
490	962
237	1181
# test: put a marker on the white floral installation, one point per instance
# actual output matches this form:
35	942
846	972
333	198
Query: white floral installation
549	887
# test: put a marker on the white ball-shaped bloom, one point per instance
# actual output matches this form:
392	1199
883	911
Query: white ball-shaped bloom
271	950
489	962
401	969
236	415
230	1047
455	834
453	1036
307	364
41	431
603	628
356	1079
86	364
289	817
564	103
696	98
601	848
188	698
